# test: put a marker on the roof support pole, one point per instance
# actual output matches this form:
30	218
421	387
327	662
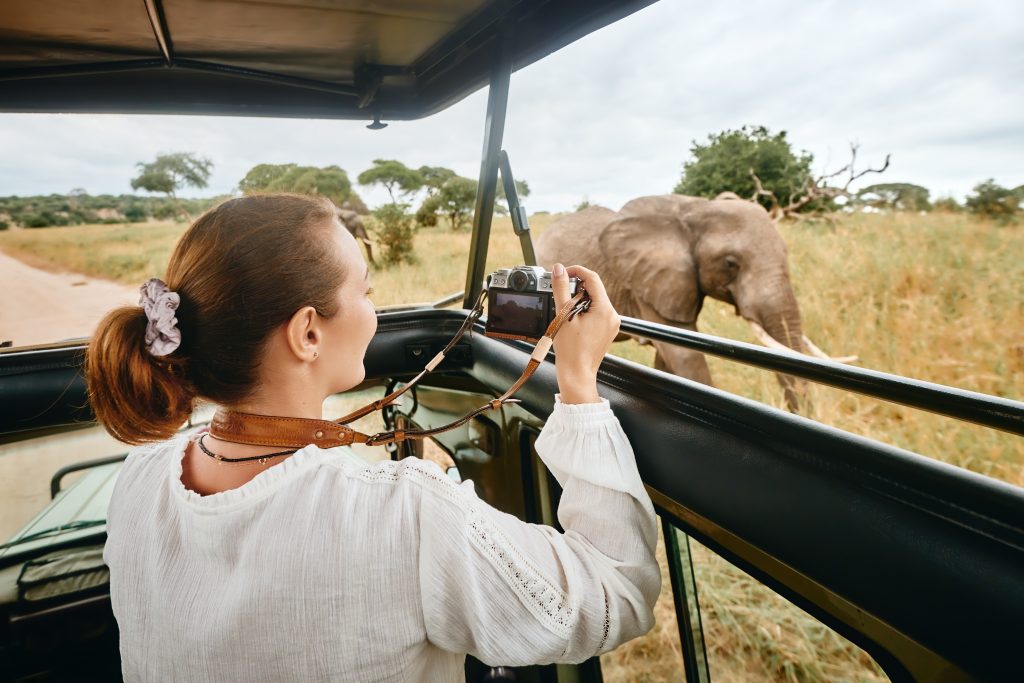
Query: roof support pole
157	18
494	130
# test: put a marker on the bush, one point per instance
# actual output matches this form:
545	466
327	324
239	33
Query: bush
993	201
946	204
4	225
165	211
135	214
426	216
394	233
724	162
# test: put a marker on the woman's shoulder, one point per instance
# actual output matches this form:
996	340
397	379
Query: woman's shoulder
149	460
150	455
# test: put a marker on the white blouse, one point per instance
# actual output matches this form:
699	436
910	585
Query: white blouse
325	568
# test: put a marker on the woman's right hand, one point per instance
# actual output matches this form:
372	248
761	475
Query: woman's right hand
582	342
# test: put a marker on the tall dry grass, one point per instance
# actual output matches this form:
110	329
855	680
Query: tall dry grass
938	297
126	253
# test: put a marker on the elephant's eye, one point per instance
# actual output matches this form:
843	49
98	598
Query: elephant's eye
732	263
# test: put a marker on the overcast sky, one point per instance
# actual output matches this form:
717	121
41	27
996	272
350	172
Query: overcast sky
938	84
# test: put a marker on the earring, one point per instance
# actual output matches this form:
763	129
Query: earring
316	354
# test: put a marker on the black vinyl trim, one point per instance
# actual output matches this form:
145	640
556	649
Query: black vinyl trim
992	411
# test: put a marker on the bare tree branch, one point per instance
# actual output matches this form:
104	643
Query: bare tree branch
818	188
759	191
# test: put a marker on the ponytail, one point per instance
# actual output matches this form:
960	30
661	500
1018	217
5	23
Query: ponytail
136	396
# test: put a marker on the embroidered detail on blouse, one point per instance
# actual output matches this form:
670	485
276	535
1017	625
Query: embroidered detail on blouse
547	601
607	624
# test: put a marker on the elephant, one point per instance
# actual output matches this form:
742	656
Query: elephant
354	223
660	256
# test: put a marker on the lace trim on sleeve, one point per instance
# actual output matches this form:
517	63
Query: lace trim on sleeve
607	625
544	599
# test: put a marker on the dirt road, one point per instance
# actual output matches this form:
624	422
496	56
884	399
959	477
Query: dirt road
37	306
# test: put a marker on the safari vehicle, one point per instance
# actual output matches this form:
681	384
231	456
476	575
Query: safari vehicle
918	563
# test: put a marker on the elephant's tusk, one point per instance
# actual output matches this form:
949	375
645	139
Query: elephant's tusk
773	343
815	351
767	339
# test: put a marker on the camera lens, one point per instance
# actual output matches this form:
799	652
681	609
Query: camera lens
518	280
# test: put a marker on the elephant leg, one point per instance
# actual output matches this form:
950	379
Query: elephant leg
794	392
682	361
677	360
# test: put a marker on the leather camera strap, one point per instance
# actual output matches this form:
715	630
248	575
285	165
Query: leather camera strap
297	432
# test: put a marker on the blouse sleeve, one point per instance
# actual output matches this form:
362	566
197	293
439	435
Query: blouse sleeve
512	593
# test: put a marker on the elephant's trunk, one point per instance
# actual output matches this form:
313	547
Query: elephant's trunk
777	317
773	306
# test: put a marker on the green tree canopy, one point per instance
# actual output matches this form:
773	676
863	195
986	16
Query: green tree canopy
899	196
261	176
724	163
171	172
331	181
992	200
434	177
455	198
394	176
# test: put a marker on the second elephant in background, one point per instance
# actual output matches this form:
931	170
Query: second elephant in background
354	223
659	256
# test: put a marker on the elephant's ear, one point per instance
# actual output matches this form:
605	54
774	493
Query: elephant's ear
648	259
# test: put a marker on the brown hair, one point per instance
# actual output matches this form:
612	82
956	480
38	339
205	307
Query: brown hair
241	269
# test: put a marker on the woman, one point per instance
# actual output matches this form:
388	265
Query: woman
313	565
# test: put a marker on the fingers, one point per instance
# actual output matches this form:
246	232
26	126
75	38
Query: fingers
590	280
560	285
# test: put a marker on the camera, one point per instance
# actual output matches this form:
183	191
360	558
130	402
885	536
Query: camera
521	303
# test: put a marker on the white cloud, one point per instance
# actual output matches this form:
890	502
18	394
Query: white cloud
938	85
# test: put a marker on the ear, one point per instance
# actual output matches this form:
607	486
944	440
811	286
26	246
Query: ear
303	334
649	257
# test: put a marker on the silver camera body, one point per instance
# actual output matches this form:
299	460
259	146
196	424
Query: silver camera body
521	302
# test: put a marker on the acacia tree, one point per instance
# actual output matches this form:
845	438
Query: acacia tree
898	196
169	173
331	181
393	176
455	199
434	176
261	176
393	226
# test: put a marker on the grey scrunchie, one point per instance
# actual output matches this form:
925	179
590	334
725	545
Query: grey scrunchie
160	304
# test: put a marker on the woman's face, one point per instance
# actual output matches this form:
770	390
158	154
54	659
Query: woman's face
347	334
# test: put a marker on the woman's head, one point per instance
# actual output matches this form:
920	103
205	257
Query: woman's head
261	274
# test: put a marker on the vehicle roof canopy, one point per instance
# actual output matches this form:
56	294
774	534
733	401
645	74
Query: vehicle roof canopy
399	59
